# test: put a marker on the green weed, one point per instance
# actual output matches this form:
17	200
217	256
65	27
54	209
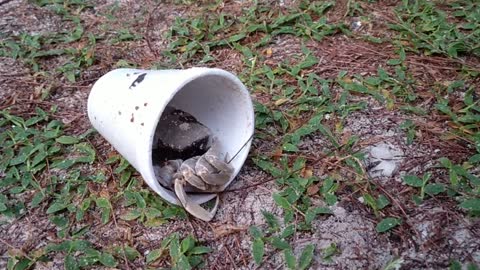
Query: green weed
428	29
184	254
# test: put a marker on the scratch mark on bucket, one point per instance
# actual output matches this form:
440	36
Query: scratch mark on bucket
138	80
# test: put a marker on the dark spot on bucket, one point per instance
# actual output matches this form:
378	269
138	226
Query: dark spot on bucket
128	74
132	119
142	124
95	117
145	104
119	113
136	107
138	80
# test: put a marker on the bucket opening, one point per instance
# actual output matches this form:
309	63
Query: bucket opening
210	107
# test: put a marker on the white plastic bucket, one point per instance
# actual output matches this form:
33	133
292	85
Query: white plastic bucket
125	105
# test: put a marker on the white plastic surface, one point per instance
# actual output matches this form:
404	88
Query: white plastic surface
126	113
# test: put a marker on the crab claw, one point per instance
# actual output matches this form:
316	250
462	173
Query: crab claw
187	172
193	208
213	171
212	168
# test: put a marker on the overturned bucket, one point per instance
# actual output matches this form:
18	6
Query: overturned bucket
125	106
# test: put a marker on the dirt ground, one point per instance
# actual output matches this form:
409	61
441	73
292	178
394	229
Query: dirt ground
436	232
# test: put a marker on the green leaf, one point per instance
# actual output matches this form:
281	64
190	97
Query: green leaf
23	264
312	213
140	200
255	232
79	245
152	213
236	37
70	263
382	202
60	221
455	265
105	217
402	54
105	206
175	248
445	162
182	263
88	260
125	177
271	220
155	222
258	250
154	255
88	150
417	199
474	159
132	214
306	257
199	250
415	110
63	164
195	261
412	180
327	185
103	202
166	241
330	199
187	244
269	167
472	266
326	131
393	62
86	134
279	243
289	147
387	224
434	189
11	263
331	250
290	260
127	251
56	207
288	231
471	204
394	264
369	200
309	61
67	140
281	201
107	259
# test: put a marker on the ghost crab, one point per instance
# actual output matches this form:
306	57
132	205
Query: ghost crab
207	173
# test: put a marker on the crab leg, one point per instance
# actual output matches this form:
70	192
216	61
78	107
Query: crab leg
193	208
165	174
